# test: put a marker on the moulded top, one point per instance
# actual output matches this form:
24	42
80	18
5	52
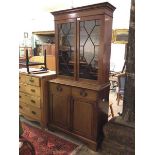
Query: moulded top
93	6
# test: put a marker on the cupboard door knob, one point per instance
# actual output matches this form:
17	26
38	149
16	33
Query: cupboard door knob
59	88
83	93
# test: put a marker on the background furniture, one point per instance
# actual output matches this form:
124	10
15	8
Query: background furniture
22	55
50	61
28	63
83	46
33	95
113	80
50	48
120	88
22	51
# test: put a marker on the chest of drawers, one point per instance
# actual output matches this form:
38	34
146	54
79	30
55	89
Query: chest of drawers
33	96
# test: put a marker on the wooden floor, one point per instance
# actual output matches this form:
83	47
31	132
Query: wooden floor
83	149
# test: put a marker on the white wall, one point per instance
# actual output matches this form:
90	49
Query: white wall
121	18
36	18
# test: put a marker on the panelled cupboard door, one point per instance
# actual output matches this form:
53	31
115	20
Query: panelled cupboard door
60	110
82	118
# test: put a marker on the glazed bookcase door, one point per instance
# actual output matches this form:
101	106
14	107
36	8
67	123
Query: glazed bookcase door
89	29
66	48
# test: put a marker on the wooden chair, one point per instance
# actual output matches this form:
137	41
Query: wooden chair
50	60
120	87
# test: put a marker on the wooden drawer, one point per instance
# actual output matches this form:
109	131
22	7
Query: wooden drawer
33	100
33	81
34	112
23	108
30	111
22	78
33	90
22	87
84	93
22	97
60	89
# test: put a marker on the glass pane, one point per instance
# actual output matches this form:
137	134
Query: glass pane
89	48
66	49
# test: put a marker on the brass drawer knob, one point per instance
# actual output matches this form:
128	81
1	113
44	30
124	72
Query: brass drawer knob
83	93
31	80
33	112
32	90
33	101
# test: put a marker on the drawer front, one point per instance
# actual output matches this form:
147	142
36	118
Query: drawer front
30	111
84	93
33	81
22	87
33	100
23	108
60	89
22	78
32	90
34	112
22	97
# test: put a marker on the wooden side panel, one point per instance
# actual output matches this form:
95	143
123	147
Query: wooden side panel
51	64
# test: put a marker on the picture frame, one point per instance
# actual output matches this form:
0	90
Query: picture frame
25	34
120	36
113	36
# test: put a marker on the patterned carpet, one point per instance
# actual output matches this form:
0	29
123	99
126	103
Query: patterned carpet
46	143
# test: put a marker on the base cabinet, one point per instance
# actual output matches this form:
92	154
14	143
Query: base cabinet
75	111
